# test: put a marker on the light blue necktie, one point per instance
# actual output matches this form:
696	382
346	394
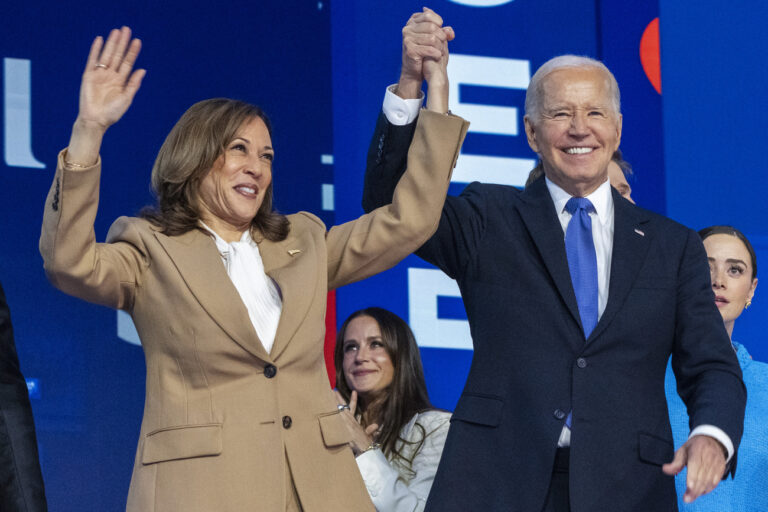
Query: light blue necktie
582	263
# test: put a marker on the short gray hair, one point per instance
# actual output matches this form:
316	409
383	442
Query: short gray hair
533	96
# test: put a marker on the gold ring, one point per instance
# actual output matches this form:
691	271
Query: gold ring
100	65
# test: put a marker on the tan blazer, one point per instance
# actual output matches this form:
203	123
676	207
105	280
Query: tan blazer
223	418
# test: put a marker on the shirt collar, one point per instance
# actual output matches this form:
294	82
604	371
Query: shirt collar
222	245
601	199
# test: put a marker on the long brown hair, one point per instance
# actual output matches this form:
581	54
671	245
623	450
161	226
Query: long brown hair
407	394
197	139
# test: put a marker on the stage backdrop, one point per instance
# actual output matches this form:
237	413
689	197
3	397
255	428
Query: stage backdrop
714	109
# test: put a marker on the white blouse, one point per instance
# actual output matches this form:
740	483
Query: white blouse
393	485
258	291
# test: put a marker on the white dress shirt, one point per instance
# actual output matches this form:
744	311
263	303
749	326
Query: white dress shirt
602	232
400	112
257	290
602	236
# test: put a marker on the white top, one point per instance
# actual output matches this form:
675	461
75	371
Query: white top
394	486
401	112
257	290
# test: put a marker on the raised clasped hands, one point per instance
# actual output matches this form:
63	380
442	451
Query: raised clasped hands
706	461
362	438
425	57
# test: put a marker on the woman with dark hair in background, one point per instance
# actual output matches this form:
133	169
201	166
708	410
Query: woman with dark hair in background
228	296
733	268
397	435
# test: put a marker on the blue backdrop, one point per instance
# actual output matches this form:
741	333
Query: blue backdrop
319	69
714	107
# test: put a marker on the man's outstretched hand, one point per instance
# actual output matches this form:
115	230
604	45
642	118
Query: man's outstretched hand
705	458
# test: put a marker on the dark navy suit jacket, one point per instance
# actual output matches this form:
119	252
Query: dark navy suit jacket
531	363
21	483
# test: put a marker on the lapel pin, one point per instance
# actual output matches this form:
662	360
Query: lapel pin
639	232
293	252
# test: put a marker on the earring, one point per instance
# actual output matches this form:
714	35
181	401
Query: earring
749	303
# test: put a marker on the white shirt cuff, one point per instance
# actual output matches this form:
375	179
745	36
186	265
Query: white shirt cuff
375	469
400	111
717	433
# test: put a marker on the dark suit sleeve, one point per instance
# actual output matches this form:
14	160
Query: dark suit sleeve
462	226
462	220
21	482
707	371
386	163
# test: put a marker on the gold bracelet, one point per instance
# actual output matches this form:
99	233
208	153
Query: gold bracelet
76	166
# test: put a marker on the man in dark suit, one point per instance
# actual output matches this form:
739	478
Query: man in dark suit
21	483
576	299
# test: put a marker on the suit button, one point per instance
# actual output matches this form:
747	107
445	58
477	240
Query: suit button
559	414
581	362
287	422
270	371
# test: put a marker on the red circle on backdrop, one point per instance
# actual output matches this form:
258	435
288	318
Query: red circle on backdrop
649	54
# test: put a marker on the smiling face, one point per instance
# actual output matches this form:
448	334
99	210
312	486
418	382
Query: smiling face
233	190
731	272
367	366
577	128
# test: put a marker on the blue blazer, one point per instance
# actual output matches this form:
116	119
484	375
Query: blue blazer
749	492
532	364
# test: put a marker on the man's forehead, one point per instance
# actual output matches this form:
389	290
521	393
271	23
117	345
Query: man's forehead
587	87
576	77
580	72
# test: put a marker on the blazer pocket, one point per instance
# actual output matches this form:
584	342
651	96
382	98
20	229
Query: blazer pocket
654	450
333	429
182	442
480	409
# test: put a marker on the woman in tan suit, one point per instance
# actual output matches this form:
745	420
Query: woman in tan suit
228	296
